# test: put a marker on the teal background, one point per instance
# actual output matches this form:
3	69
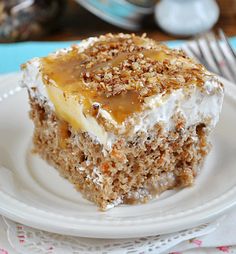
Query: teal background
12	55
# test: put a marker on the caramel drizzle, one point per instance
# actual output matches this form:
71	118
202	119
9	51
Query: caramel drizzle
66	71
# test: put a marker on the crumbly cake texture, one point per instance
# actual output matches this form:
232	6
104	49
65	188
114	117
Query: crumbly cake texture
148	147
136	170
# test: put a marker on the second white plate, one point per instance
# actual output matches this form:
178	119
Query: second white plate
33	193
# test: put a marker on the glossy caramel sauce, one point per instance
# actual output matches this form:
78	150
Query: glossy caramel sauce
65	72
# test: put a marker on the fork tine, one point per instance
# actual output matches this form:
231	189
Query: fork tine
200	48
214	48
203	57
199	58
211	51
228	64
190	48
225	39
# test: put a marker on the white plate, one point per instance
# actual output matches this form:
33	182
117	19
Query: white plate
32	193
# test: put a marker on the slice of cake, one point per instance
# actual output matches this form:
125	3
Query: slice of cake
122	117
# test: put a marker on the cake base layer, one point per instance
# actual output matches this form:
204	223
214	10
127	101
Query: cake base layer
134	170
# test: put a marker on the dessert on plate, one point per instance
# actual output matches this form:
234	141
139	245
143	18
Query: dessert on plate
122	117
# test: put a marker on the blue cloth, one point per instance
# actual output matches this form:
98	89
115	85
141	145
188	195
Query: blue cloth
12	55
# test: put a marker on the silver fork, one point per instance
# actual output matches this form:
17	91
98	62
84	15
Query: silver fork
217	55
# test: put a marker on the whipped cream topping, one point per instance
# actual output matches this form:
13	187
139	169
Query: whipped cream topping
194	105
